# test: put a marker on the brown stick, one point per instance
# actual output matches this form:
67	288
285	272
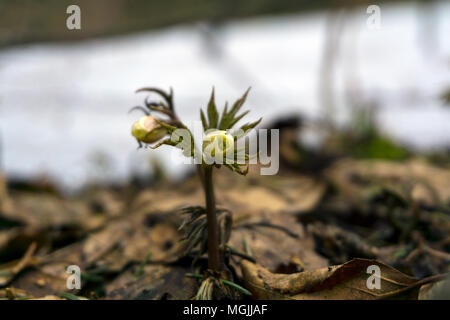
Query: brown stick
213	241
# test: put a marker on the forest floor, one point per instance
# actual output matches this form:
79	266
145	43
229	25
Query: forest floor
294	235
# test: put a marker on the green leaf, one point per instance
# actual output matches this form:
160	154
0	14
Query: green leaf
238	104
167	141
222	124
68	295
213	115
228	121
235	120
229	166
242	131
169	128
236	286
238	169
251	125
204	122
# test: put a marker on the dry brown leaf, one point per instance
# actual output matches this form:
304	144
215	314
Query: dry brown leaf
48	275
274	239
344	282
431	185
275	195
156	282
436	291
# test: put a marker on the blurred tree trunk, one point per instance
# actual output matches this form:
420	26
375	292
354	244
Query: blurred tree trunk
45	20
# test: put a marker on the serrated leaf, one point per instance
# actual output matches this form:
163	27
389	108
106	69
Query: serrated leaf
251	125
223	118
235	120
203	118
238	104
169	128
213	115
228	119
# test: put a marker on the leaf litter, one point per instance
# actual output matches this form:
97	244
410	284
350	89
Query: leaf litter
293	236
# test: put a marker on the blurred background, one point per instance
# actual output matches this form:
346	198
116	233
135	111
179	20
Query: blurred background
65	94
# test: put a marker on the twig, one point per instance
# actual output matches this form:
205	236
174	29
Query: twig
25	259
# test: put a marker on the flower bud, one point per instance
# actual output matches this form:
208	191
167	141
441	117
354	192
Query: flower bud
147	130
217	144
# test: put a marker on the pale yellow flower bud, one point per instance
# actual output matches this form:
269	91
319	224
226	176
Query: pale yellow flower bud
147	130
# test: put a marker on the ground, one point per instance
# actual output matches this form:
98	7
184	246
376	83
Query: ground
298	235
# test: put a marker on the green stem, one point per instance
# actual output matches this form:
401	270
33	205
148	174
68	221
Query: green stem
213	240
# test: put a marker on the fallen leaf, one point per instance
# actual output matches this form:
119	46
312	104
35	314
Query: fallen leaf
436	291
431	185
274	239
157	282
344	282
